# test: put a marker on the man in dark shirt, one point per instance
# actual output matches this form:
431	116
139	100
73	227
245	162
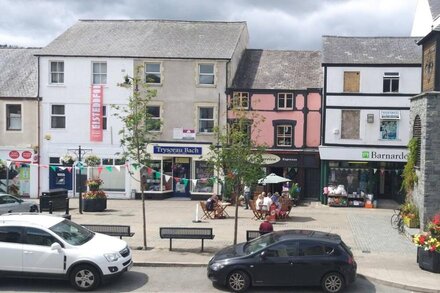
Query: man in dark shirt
266	226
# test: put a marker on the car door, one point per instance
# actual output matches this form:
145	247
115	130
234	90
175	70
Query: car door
11	248
38	257
12	204
275	266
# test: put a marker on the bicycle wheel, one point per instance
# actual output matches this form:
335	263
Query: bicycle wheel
395	221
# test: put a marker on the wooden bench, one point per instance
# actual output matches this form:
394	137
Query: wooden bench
185	233
251	234
111	230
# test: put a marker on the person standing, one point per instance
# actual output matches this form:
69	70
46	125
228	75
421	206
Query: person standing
247	196
266	226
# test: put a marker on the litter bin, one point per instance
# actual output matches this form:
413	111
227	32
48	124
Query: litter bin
58	197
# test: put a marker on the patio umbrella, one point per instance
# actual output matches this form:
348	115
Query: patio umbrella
273	179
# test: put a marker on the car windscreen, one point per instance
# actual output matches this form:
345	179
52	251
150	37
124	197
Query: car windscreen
72	233
259	243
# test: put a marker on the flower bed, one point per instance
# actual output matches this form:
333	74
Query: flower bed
428	246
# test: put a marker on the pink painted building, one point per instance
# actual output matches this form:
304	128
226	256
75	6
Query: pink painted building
284	88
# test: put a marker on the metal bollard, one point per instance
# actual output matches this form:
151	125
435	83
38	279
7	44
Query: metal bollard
67	206
50	207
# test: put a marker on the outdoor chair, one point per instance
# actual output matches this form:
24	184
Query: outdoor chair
206	214
257	214
286	206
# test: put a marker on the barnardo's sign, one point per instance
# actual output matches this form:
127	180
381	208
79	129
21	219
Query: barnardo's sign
181	150
363	154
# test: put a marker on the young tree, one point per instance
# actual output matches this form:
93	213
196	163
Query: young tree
238	157
136	132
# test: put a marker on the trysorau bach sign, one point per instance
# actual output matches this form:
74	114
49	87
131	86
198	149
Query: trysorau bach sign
96	97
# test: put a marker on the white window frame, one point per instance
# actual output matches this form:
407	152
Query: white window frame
57	115
58	73
7	119
391	76
200	74
99	74
284	136
153	73
157	118
104	117
239	99
285	97
199	119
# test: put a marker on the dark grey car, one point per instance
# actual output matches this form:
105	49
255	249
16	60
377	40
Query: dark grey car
285	258
12	204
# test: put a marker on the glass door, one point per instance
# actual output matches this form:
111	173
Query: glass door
182	175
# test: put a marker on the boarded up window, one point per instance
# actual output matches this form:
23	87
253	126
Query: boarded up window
350	124
417	133
351	81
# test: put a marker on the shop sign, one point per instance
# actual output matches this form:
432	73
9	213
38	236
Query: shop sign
184	133
269	159
165	150
384	156
14	155
363	154
26	155
96	97
389	114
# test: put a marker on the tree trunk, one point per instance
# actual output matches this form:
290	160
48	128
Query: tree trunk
144	216
236	217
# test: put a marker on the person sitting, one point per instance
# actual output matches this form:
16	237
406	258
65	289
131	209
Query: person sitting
267	202
211	202
266	226
259	202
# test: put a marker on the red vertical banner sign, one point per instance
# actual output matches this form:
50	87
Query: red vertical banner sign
96	98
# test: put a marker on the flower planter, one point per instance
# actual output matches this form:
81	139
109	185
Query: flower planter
411	222
94	205
428	260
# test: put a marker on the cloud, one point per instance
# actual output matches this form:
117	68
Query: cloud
277	24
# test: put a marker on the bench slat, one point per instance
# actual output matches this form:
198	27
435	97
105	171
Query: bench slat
185	233
111	230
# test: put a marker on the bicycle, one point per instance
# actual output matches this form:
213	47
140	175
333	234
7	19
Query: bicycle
397	221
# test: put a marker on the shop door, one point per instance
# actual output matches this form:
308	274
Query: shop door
182	170
312	182
60	178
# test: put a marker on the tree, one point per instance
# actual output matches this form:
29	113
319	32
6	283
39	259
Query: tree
237	156
136	132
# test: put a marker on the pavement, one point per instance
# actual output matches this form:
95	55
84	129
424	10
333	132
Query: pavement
382	254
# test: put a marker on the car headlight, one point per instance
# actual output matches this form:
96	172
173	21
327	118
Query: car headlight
217	266
111	257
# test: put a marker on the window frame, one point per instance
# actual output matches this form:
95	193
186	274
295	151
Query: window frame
104	117
396	121
238	100
52	115
284	136
283	122
359	125
391	77
285	97
159	118
200	74
199	119
58	73
100	74
153	73
346	88
8	118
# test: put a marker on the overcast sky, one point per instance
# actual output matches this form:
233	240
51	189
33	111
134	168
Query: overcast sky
272	24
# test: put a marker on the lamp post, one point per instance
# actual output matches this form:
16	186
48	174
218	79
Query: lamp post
80	152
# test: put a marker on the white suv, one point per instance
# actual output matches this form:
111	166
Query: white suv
53	247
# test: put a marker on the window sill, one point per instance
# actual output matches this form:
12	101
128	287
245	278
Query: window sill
154	84
205	133
56	85
200	85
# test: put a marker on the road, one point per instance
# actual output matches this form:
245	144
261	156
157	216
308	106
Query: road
169	279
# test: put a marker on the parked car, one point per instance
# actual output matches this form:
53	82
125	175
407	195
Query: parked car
12	204
285	258
46	246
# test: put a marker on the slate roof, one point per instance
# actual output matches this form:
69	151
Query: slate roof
371	50
148	38
18	73
272	69
434	6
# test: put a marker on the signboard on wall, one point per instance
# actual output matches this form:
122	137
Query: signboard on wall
174	150
184	133
96	100
363	154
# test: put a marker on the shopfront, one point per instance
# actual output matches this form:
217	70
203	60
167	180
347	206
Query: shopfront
179	170
301	168
375	171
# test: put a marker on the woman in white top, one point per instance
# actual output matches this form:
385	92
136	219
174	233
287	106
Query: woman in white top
259	202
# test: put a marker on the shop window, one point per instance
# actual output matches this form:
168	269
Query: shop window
285	101
391	82
240	100
350	124
107	162
168	174
151	177
153	118
99	75
114	180
152	73
388	129
206	74
206	119
204	174
58	116
13	117
57	72
284	135
351	81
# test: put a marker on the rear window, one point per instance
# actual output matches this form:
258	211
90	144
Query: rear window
346	248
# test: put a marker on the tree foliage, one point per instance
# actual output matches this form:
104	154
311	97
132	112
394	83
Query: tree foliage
409	173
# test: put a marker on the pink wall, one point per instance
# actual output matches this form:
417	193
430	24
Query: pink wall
263	105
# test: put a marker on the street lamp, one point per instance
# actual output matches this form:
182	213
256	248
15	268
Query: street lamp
80	152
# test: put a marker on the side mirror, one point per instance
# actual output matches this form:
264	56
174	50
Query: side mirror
55	246
263	255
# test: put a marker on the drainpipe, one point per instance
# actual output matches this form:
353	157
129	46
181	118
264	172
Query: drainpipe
38	128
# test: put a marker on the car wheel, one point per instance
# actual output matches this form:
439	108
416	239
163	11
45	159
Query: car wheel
238	281
84	278
333	282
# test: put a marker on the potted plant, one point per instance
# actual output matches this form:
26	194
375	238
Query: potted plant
67	160
94	200
92	160
428	246
410	215
294	193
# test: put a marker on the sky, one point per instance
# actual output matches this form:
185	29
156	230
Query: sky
272	24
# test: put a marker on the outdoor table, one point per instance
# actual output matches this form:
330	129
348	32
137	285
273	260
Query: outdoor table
222	209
